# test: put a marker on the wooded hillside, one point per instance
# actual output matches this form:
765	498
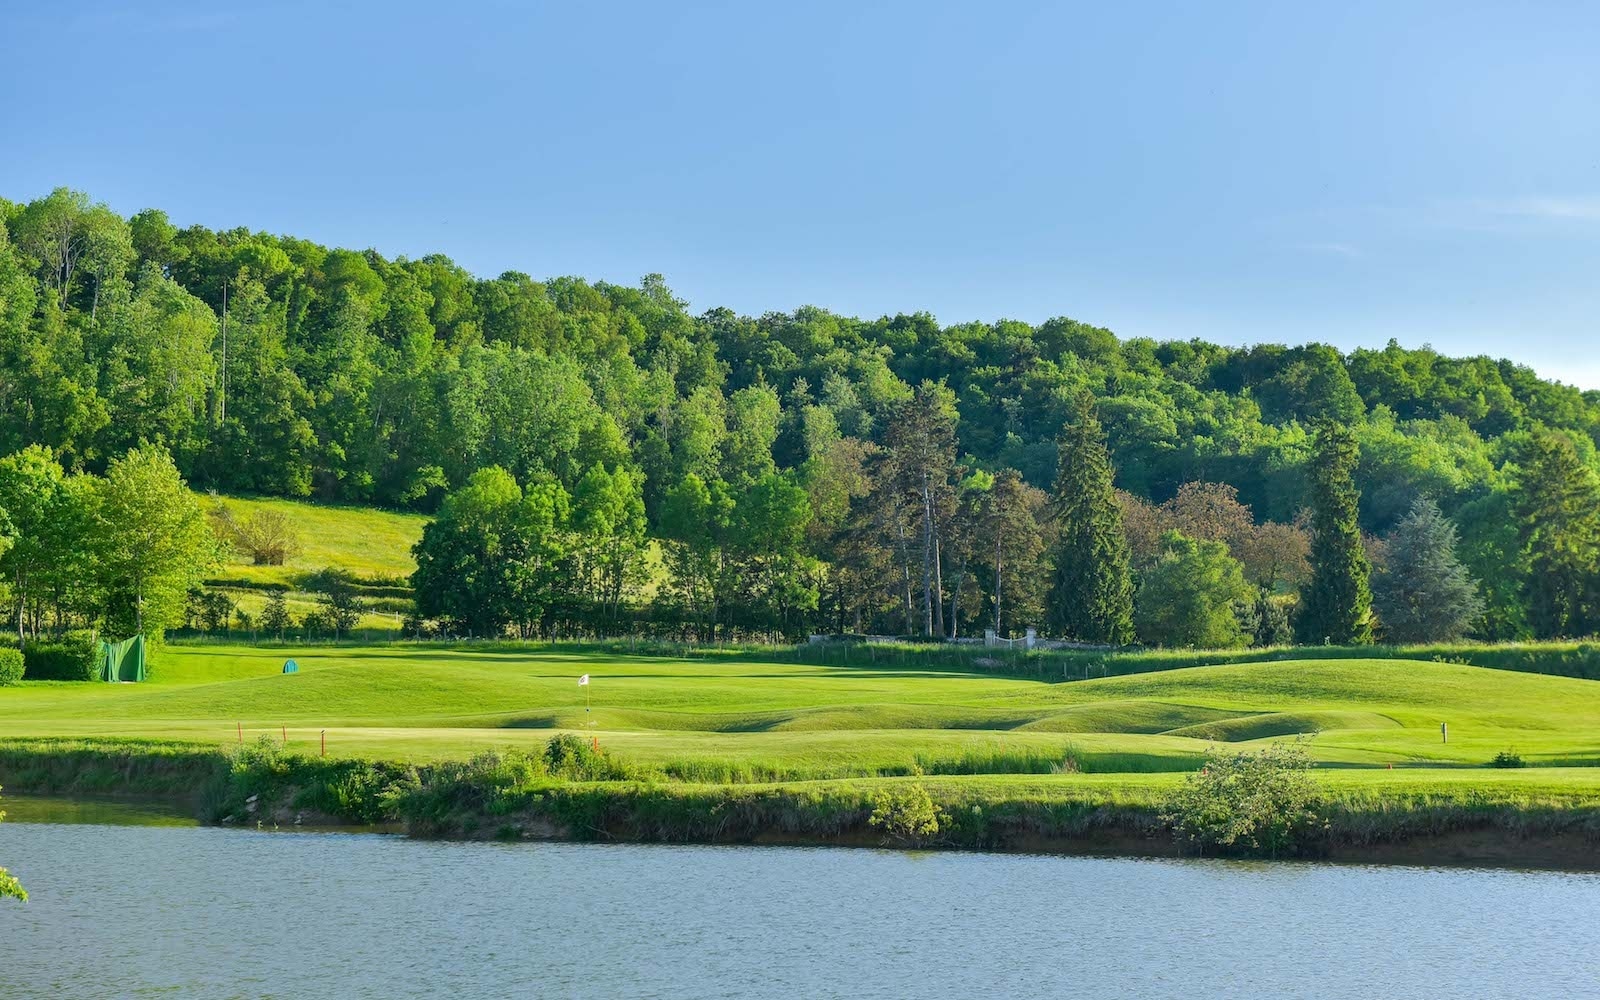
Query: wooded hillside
271	365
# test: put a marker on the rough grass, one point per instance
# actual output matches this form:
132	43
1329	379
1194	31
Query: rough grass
368	543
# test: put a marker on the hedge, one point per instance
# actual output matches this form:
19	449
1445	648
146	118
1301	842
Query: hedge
68	658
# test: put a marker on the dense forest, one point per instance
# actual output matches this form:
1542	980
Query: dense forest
796	470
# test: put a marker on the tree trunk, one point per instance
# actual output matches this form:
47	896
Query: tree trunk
927	557
905	574
955	599
997	583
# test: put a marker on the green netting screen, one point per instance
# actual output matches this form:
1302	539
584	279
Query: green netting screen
123	661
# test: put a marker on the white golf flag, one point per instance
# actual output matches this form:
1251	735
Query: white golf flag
583	681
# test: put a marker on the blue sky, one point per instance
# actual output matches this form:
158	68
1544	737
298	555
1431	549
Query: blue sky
1238	172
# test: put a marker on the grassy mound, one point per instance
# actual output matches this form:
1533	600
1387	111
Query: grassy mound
1265	724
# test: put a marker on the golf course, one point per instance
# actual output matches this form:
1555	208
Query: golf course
718	734
728	719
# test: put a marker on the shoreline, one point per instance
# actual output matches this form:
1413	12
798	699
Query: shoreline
1481	850
1050	815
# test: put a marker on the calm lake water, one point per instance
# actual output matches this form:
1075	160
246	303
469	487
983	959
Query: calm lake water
162	910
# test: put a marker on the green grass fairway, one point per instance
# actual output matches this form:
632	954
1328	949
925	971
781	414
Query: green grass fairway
722	720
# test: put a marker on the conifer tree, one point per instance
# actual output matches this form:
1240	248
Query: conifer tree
1560	510
1422	593
1336	604
1271	621
1091	596
1013	545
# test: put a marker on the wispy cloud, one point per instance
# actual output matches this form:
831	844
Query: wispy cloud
1332	248
1568	208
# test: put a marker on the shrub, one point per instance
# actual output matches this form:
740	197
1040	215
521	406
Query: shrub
263	755
315	625
268	537
72	657
905	813
1241	802
571	757
338	601
10	666
1508	758
9	886
455	795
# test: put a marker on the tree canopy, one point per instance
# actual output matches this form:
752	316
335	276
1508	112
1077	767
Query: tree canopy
792	470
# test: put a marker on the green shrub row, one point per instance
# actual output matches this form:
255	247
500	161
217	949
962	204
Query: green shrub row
1563	659
72	657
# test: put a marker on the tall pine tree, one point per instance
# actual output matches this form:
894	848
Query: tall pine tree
1421	591
1560	508
1091	597
1336	604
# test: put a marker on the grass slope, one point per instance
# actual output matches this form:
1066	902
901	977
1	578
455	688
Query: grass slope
370	544
729	720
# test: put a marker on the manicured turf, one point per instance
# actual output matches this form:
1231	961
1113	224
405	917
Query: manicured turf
721	720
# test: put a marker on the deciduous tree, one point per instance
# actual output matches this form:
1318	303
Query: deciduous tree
153	541
1190	596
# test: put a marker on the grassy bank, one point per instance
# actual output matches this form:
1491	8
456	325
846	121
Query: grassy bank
365	542
1552	815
